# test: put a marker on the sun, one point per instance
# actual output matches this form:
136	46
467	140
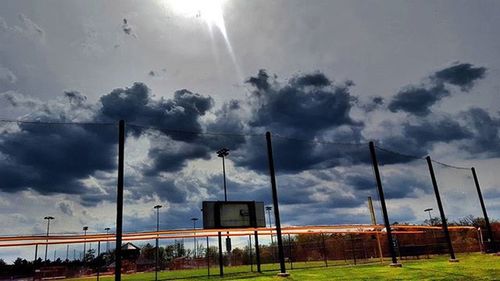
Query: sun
209	10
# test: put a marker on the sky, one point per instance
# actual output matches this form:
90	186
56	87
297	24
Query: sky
189	77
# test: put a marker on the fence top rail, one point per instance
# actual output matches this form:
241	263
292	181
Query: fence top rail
16	241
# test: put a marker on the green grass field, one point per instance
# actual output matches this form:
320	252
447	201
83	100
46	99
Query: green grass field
471	267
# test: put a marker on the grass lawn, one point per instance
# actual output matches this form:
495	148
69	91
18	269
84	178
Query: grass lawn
471	267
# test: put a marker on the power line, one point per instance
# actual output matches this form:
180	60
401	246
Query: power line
450	166
320	141
58	123
399	153
224	134
162	129
420	158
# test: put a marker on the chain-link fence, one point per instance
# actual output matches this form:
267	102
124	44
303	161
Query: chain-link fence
338	205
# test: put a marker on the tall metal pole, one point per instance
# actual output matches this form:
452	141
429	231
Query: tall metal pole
290	251
250	255
275	204
195	246
257	250
85	228
429	210
47	240
107	241
35	261
221	257
67	252
441	210
491	238
222	153
119	201
48	218
382	203
208	257
98	259
157	252
224	176
268	209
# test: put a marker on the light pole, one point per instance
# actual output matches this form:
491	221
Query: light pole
85	228
222	153
268	209
429	210
48	218
107	241
157	207
194	237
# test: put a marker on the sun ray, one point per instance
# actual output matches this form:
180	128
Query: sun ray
211	11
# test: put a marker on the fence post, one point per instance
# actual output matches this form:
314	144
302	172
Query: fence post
257	251
35	261
441	210
276	208
325	258
353	249
250	251
208	257
491	238
384	208
98	263
119	201
221	258
290	251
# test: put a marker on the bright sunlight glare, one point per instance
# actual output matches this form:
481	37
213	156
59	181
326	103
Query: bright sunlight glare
211	11
208	10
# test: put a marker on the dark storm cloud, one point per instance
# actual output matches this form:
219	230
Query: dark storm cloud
297	107
135	105
56	158
463	75
53	159
405	185
260	82
175	140
417	100
432	131
309	106
485	129
418	137
361	181
306	107
315	79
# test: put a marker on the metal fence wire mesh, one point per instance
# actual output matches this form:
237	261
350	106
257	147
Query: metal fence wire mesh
330	204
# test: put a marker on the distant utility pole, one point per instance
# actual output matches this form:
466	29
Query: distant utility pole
48	218
429	210
157	207
107	241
